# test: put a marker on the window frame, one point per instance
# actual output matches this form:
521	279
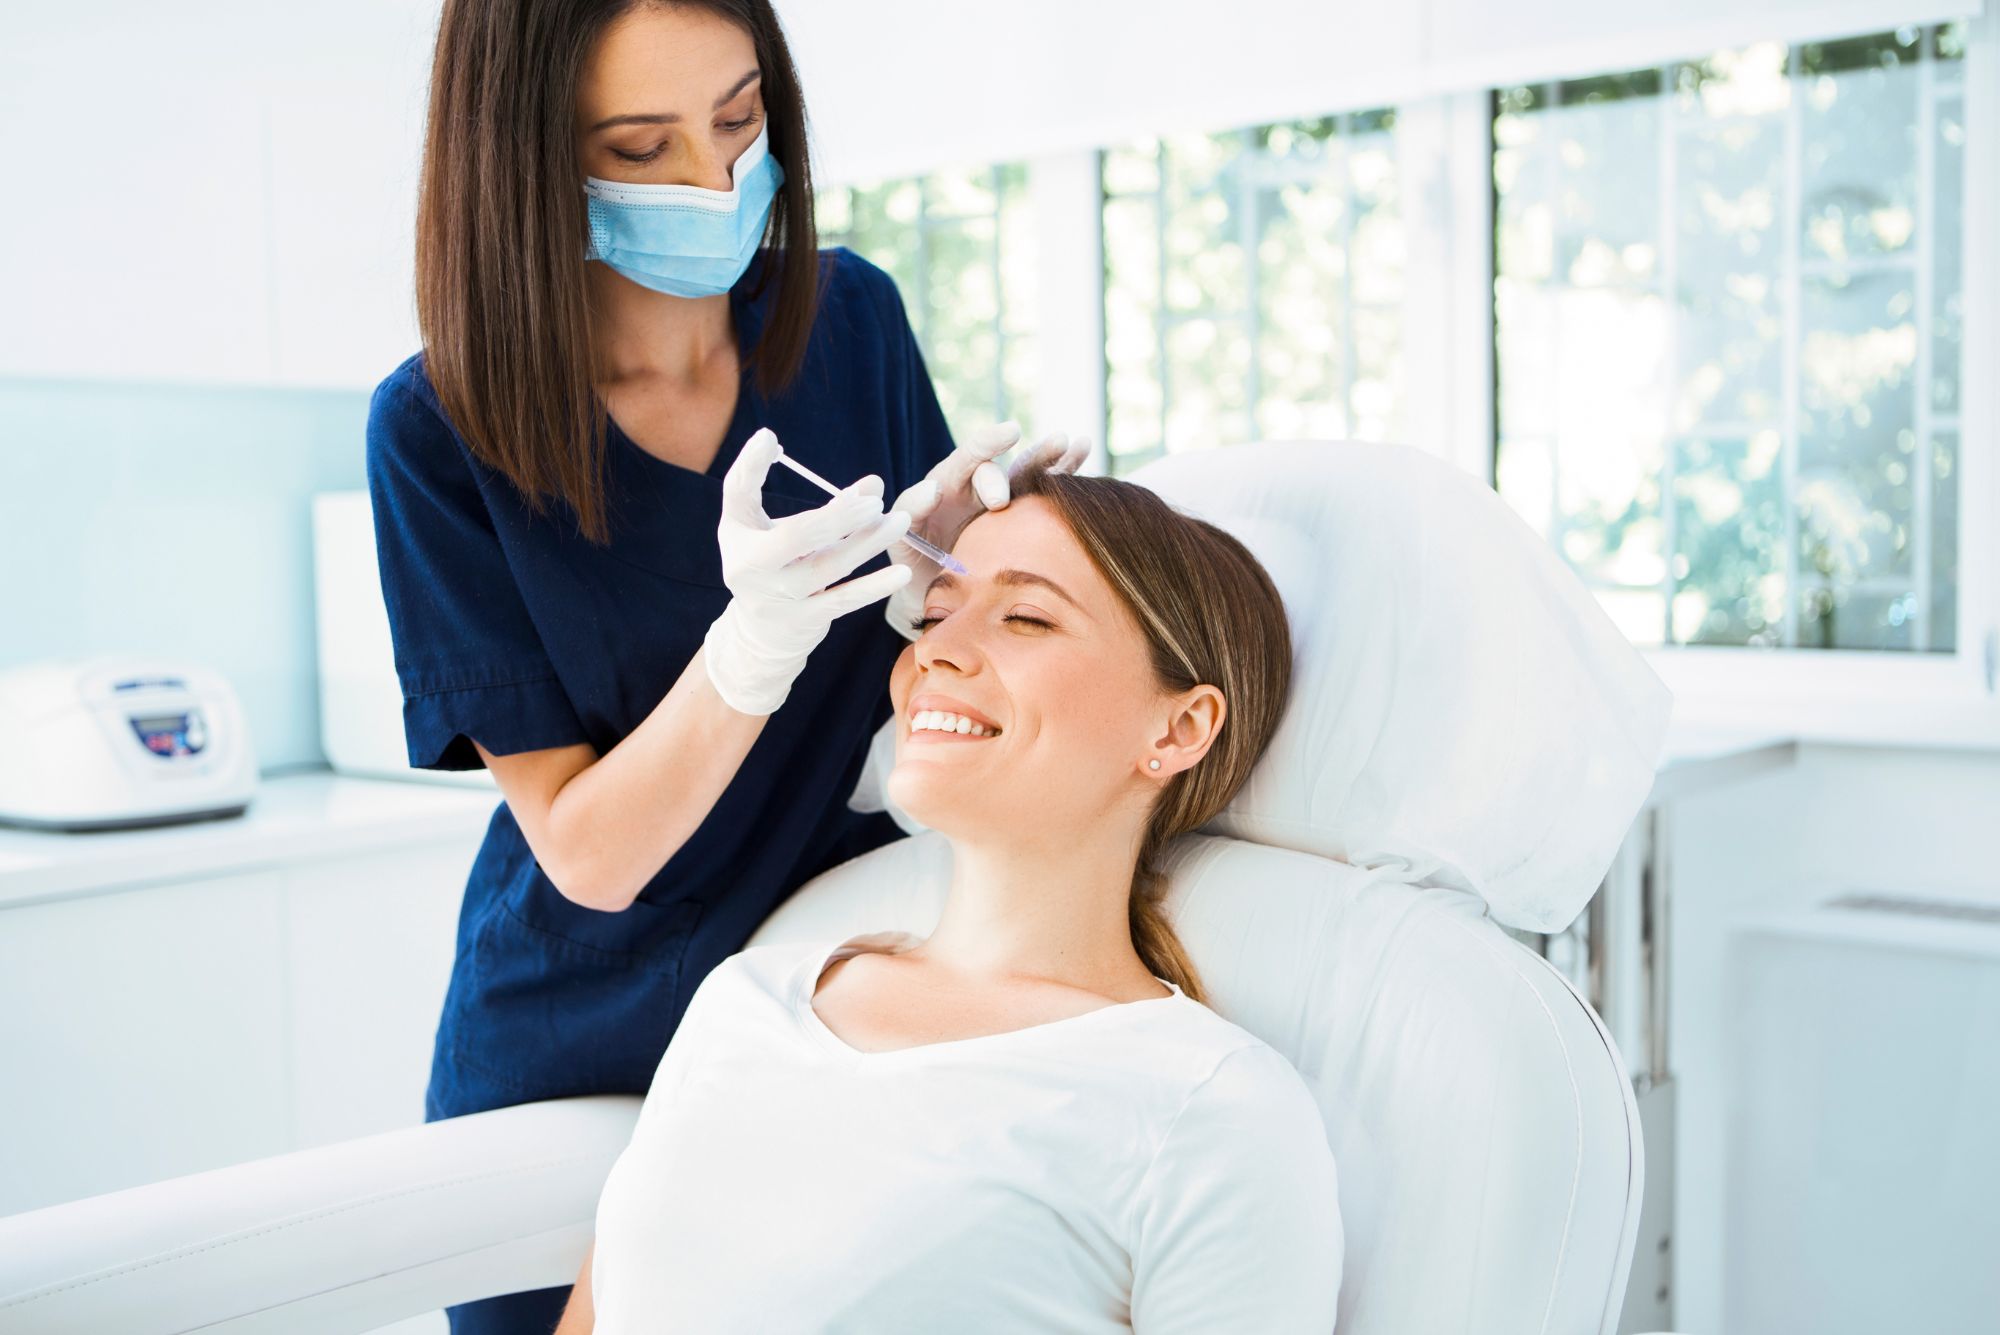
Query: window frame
1444	150
1251	167
929	221
1869	697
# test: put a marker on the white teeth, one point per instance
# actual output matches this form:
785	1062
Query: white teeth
938	720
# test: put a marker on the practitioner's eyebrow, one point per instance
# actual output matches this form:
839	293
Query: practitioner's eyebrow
947	580
674	117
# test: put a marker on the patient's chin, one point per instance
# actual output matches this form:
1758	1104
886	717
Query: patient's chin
932	796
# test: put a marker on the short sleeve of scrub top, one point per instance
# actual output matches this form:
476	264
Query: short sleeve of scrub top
469	655
515	630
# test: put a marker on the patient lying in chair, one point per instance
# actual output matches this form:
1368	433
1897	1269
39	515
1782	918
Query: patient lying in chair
1028	1120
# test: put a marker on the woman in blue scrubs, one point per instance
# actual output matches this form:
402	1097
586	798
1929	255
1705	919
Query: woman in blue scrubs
591	568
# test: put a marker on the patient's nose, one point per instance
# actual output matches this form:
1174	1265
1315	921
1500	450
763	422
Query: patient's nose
948	642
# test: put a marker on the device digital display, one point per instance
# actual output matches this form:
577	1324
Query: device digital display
169	734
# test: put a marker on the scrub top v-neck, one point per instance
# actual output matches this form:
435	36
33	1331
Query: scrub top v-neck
517	631
732	443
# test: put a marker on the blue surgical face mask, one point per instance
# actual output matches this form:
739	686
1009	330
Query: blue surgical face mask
682	239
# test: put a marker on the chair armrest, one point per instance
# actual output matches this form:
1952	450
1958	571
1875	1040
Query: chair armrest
341	1238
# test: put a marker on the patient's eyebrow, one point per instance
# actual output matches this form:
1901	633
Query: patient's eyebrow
947	580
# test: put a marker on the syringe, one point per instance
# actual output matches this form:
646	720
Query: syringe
936	553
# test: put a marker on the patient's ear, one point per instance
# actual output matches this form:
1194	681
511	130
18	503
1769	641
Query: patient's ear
1195	718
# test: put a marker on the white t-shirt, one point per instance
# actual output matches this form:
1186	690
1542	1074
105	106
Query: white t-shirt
1145	1166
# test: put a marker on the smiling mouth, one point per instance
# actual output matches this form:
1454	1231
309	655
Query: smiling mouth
952	734
939	735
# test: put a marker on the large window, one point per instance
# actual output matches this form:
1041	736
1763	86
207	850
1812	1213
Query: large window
1253	287
960	245
1729	308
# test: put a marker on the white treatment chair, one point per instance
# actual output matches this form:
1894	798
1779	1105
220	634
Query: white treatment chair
1468	740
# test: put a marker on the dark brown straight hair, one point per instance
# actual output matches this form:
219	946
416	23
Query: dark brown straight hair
502	229
1211	614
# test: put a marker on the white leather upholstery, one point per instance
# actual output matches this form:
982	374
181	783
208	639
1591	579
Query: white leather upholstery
343	1238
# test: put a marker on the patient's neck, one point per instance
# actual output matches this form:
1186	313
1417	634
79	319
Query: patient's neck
1056	909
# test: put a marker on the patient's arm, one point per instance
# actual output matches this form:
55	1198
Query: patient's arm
580	1318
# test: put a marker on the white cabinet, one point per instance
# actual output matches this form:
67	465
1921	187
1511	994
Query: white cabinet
369	943
143	1037
180	999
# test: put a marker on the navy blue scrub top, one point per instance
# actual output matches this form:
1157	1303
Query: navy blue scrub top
522	634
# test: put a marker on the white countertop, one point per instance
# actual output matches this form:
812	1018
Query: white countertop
291	818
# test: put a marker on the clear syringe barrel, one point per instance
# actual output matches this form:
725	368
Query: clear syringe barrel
932	550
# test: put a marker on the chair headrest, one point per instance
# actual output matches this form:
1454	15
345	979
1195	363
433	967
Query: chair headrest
1463	713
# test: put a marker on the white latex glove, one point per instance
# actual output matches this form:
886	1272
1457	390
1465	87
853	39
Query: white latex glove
778	571
965	483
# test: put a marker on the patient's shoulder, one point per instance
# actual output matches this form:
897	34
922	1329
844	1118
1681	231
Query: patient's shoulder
763	967
1208	1035
1183	1045
776	968
1254	1076
1251	1102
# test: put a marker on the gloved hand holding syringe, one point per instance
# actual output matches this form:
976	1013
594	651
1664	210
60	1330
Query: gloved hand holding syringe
781	573
937	554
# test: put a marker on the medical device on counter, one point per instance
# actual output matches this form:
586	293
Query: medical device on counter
120	741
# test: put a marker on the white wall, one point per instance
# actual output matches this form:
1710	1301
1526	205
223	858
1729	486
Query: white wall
223	190
217	191
173	521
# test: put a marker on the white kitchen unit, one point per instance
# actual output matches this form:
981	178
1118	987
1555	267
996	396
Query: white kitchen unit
179	999
1862	1166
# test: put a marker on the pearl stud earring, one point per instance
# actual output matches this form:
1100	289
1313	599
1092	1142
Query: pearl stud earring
1152	764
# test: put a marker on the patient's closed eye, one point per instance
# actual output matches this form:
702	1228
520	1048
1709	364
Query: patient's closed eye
925	622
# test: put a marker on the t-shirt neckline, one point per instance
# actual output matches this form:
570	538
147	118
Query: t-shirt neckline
807	982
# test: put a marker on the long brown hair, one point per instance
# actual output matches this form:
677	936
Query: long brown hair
1211	615
502	229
